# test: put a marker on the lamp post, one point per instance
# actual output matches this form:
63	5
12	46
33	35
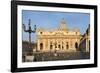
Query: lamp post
30	31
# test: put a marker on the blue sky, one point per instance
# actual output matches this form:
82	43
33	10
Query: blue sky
51	20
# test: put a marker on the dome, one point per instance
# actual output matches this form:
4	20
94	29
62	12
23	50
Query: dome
62	25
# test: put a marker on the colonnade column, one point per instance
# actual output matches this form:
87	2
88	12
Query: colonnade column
44	45
38	44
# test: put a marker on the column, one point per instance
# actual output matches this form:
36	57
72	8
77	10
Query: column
53	45
38	44
87	45
64	44
60	44
44	45
48	44
69	44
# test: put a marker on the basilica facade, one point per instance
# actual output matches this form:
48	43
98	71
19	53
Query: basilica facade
60	39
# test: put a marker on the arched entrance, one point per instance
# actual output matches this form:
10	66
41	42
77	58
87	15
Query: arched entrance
67	47
59	46
51	47
41	46
76	46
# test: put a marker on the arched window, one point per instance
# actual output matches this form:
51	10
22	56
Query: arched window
40	32
51	47
62	47
76	46
55	44
41	46
59	46
67	47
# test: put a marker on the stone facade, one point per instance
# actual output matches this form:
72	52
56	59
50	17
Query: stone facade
60	39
